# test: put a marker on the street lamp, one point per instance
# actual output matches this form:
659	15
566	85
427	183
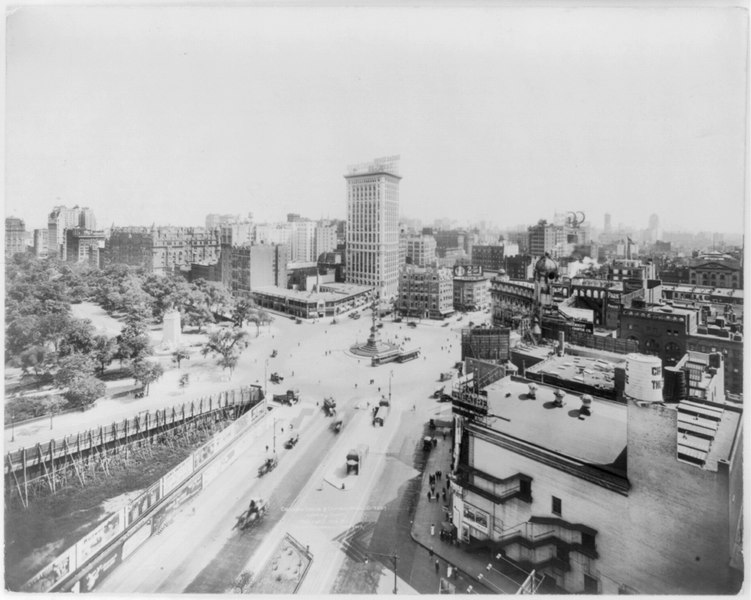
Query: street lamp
482	578
391	375
394	561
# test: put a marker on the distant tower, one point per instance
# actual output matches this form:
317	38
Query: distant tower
608	225
654	228
373	225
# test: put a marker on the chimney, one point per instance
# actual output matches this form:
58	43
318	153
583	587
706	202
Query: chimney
561	343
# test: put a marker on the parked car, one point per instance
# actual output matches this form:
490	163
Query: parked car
291	442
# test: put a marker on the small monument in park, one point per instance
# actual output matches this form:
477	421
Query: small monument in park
171	333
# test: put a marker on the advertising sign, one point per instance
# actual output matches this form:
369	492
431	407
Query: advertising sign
177	475
96	540
56	571
141	534
468	271
212	471
205	452
474	403
164	516
143	503
105	565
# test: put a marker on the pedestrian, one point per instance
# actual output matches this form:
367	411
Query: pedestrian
430	552
437	566
449	571
432	529
267	447
444	495
428	490
444	434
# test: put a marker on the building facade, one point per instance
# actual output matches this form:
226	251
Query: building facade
40	242
546	237
420	250
325	238
489	258
258	265
83	246
373	225
471	293
425	292
595	494
15	236
162	250
716	269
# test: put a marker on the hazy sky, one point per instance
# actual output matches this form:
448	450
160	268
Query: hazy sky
163	115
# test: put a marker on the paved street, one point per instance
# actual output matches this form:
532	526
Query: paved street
369	519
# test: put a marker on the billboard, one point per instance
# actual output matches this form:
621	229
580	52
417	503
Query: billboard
164	516
54	572
105	564
468	271
177	475
98	539
138	537
487	343
143	503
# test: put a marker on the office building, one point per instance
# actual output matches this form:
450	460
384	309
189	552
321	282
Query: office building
471	289
547	238
324	238
373	225
425	292
256	266
420	250
15	236
716	269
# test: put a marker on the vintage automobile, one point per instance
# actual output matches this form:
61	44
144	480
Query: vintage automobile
276	378
289	398
292	441
336	426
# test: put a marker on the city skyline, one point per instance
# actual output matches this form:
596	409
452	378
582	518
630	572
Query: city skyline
162	115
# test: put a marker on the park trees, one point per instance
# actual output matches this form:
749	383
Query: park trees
179	355
146	372
104	351
133	343
76	373
227	344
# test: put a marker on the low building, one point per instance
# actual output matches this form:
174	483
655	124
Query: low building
332	299
716	269
601	497
425	293
83	246
671	331
519	267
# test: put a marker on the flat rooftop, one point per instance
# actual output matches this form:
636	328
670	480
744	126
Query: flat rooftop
585	370
705	433
346	289
302	296
596	439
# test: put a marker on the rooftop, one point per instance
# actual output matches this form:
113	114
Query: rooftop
585	370
596	439
304	296
705	433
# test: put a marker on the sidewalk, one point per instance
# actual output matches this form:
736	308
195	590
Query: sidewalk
428	513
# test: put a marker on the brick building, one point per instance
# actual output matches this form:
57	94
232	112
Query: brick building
716	269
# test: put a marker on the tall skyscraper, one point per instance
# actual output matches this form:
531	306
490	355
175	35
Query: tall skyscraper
608	227
373	225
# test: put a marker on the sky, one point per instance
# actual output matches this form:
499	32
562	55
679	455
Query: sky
500	113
